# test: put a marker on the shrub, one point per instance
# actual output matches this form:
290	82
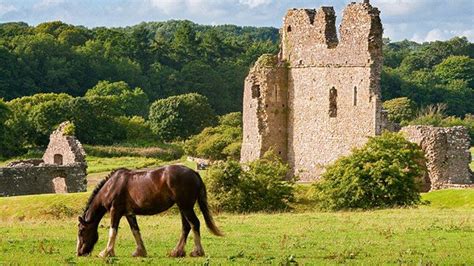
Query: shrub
179	117
383	173
70	129
434	115
165	153
136	128
261	187
220	142
399	109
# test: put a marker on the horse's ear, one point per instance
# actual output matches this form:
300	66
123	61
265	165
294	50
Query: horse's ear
81	220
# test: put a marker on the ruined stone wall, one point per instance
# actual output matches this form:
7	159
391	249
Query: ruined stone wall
68	148
332	85
24	180
63	169
447	154
265	110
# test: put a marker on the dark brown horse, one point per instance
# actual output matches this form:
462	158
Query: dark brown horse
129	193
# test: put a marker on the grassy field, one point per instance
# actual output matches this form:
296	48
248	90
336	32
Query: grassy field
41	229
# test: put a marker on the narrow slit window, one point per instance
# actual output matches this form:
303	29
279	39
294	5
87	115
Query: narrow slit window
288	29
255	91
332	102
355	96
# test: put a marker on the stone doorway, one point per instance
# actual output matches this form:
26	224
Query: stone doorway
59	184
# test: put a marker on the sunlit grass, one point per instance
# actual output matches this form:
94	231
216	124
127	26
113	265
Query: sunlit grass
423	235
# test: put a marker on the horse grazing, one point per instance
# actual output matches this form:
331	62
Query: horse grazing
128	193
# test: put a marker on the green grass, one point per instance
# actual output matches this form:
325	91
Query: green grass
43	228
451	198
410	236
100	164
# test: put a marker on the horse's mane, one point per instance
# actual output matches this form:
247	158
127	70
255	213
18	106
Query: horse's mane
97	189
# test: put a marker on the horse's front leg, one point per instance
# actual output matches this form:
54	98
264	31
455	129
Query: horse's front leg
114	224
140	251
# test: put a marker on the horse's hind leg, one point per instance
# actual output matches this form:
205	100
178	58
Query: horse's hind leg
178	251
140	251
195	225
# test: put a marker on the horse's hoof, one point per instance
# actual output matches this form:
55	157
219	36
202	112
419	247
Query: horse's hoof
177	253
107	253
139	253
197	253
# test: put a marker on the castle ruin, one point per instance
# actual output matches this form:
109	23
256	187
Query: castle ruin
62	169
320	96
447	155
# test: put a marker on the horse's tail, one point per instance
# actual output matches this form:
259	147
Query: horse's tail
204	206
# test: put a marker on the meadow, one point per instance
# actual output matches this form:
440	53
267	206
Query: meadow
41	230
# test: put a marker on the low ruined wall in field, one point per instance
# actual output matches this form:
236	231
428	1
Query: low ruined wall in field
24	179
447	154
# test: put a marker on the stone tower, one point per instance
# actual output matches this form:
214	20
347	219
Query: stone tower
320	96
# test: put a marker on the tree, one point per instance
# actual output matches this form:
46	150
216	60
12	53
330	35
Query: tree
179	117
130	102
94	122
399	109
456	68
35	117
220	142
4	113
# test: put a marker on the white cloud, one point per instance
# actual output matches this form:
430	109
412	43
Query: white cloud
5	8
400	7
441	35
45	4
255	3
168	6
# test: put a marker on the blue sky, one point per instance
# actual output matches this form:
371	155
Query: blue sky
418	20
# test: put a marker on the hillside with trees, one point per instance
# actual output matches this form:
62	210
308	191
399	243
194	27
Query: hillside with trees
105	80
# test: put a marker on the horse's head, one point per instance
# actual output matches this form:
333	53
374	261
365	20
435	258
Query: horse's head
87	236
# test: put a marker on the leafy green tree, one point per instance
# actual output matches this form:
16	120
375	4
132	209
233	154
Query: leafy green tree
35	117
179	117
4	113
383	173
456	68
185	43
131	102
94	123
9	74
399	109
220	142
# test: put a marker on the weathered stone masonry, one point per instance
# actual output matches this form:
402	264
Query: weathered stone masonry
63	169
446	152
321	95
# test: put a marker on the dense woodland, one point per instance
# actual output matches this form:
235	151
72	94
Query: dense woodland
106	79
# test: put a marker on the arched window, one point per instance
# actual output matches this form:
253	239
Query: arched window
58	159
355	96
332	102
288	29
